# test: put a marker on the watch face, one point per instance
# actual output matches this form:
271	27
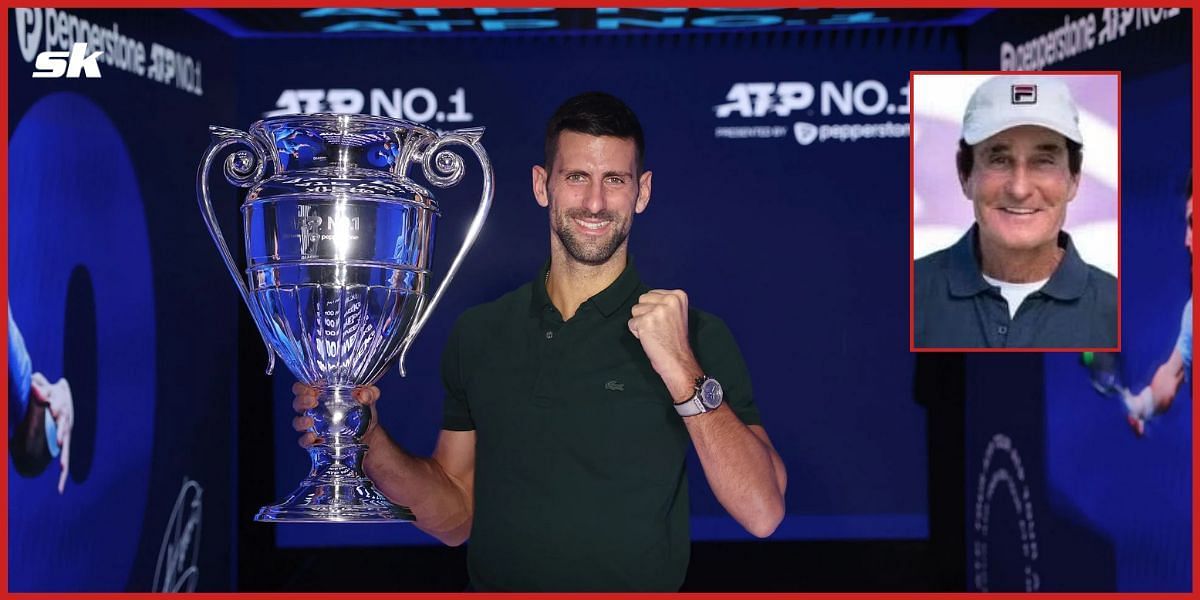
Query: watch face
711	393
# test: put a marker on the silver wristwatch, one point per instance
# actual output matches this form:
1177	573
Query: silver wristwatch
707	397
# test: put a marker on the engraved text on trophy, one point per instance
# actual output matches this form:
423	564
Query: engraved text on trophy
340	229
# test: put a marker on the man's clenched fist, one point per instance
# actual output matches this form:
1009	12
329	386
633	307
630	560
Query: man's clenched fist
660	322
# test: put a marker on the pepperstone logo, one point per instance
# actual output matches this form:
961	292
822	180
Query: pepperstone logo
1080	34
29	31
805	132
61	44
828	101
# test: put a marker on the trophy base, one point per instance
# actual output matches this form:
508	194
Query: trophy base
336	489
335	503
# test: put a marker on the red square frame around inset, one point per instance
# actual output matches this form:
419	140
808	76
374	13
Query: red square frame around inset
912	346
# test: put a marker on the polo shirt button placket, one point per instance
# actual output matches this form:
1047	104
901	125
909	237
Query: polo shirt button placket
545	388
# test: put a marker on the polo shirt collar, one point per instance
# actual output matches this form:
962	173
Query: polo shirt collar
1068	282
608	301
966	279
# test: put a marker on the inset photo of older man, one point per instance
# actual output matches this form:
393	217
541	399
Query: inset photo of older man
1015	211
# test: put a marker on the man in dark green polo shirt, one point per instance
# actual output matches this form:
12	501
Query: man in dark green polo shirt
571	401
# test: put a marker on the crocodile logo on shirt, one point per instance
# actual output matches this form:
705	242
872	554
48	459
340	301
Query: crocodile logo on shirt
614	386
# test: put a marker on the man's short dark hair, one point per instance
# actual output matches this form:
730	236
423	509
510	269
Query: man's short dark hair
966	157
598	114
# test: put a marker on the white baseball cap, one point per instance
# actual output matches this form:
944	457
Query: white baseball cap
1007	101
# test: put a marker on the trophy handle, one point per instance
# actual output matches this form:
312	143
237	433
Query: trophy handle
444	168
242	169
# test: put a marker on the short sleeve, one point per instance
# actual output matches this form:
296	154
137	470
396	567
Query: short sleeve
20	368
456	411
1184	343
721	359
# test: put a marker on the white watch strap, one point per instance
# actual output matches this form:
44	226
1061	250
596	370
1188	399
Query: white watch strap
690	407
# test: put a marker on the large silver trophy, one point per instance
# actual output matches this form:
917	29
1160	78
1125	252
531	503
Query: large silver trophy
339	242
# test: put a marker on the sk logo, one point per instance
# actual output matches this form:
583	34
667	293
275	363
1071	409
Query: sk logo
805	132
54	64
614	386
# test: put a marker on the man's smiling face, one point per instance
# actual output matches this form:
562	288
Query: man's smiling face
593	192
1020	184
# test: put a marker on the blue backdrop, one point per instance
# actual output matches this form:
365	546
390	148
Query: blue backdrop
1106	510
781	205
798	246
115	286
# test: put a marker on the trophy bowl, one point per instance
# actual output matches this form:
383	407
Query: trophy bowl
339	242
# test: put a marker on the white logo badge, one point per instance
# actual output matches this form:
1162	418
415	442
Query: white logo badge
806	133
29	31
1024	93
57	63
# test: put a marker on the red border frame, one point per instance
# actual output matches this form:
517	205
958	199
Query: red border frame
912	93
1062	4
4	288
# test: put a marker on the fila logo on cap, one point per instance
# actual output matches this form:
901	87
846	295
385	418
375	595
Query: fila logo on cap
1024	93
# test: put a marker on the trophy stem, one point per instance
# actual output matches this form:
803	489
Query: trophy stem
336	489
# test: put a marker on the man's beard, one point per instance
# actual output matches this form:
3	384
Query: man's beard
592	252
